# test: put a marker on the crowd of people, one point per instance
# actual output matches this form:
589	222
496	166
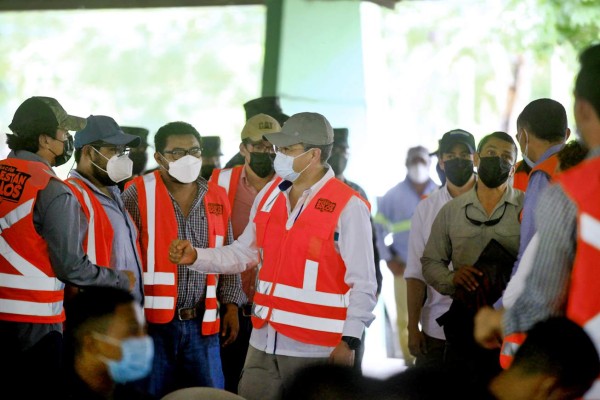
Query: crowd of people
260	278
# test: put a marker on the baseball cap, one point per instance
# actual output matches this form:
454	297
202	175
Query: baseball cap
137	131
340	137
417	152
259	125
305	127
46	110
265	105
105	129
211	146
456	136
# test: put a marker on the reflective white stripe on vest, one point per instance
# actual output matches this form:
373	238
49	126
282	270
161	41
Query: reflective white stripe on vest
304	295
302	321
159	302
30	282
210	315
225	179
311	268
590	230
16	215
271	199
30	308
159	278
91	234
150	188
219	240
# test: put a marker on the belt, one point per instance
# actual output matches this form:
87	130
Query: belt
185	314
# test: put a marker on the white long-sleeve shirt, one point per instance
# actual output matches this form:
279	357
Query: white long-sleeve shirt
354	243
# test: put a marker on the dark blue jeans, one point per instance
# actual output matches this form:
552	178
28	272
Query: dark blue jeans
183	358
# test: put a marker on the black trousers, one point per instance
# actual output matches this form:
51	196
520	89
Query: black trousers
234	355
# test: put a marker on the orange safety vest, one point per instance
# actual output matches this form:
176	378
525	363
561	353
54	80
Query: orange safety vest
100	234
29	289
582	185
228	179
521	177
301	289
548	167
160	275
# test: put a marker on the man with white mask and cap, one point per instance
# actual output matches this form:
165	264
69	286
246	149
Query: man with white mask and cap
394	212
316	284
101	154
180	304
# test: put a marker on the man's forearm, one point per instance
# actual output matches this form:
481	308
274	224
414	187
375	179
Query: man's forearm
415	292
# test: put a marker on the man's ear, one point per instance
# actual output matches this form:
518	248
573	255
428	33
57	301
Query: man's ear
441	164
476	160
243	150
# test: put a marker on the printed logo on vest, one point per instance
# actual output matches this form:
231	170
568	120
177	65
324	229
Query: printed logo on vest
12	183
325	205
215	208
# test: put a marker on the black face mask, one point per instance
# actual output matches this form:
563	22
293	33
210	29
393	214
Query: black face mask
68	148
206	171
338	162
262	164
458	171
493	171
140	159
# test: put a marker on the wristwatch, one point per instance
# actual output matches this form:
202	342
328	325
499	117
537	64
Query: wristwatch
352	342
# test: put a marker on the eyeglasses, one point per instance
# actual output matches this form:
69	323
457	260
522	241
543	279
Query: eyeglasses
288	149
491	222
115	149
178	153
261	148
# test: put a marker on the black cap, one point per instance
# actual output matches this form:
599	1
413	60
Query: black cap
211	146
265	105
453	137
340	137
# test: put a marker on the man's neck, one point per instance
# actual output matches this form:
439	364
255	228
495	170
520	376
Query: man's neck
489	197
305	181
95	376
87	174
537	148
419	187
256	181
456	191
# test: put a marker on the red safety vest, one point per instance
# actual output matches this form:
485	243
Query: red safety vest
521	177
301	289
160	275
228	179
100	234
29	289
548	167
582	185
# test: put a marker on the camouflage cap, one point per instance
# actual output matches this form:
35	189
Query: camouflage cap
47	110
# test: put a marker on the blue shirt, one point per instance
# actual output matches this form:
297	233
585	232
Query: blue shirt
124	256
394	212
538	182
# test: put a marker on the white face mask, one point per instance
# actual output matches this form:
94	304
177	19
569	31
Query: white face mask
186	169
284	166
418	173
118	167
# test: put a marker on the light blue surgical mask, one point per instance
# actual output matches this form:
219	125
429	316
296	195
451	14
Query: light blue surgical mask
284	166
137	354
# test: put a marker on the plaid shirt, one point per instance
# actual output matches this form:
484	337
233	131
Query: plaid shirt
191	285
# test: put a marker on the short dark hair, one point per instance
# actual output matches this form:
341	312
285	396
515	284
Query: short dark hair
571	154
325	151
177	128
561	348
588	78
545	119
91	310
498	135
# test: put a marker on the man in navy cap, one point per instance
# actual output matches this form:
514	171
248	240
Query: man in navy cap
101	154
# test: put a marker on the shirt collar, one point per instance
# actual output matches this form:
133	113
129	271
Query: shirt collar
595	152
29	156
510	196
318	185
552	150
114	189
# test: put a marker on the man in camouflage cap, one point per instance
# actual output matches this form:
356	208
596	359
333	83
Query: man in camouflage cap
41	246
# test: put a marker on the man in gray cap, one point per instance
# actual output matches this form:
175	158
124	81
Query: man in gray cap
316	286
41	245
101	154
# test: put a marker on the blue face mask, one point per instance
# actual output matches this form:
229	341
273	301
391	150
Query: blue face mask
137	354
